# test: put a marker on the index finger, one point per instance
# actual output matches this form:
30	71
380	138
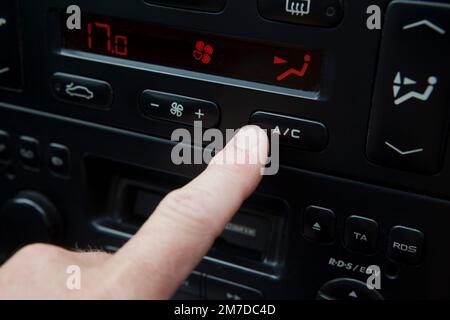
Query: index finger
187	221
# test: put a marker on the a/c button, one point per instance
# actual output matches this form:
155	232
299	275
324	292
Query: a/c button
296	132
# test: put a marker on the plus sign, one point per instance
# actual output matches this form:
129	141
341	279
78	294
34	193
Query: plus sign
199	113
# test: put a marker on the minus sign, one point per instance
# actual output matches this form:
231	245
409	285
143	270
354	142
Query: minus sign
154	105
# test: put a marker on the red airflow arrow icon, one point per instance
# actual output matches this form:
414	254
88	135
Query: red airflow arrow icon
292	71
278	60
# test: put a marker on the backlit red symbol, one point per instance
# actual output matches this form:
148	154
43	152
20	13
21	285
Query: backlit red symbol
203	52
292	71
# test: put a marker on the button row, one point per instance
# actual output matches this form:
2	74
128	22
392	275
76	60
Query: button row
28	150
405	245
205	286
294	132
152	104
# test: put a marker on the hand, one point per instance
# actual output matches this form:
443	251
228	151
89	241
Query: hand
171	243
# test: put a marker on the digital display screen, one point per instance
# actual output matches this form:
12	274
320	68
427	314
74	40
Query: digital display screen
283	66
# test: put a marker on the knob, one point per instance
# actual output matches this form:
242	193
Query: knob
28	218
347	289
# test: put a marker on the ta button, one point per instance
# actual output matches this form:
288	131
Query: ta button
361	234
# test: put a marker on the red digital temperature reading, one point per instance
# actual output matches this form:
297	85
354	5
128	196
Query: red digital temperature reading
100	34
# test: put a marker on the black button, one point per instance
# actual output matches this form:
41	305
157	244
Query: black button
5	146
324	13
202	5
10	69
319	224
219	289
347	289
192	285
179	109
296	132
28	152
409	120
59	159
361	234
87	91
405	245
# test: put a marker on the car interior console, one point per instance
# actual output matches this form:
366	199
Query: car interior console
86	118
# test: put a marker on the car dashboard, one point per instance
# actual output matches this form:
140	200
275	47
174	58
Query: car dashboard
87	114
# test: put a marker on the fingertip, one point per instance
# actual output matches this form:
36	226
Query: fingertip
249	146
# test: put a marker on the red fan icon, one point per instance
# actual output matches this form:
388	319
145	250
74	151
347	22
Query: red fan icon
203	52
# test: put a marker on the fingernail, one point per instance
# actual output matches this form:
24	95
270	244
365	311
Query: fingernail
249	138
